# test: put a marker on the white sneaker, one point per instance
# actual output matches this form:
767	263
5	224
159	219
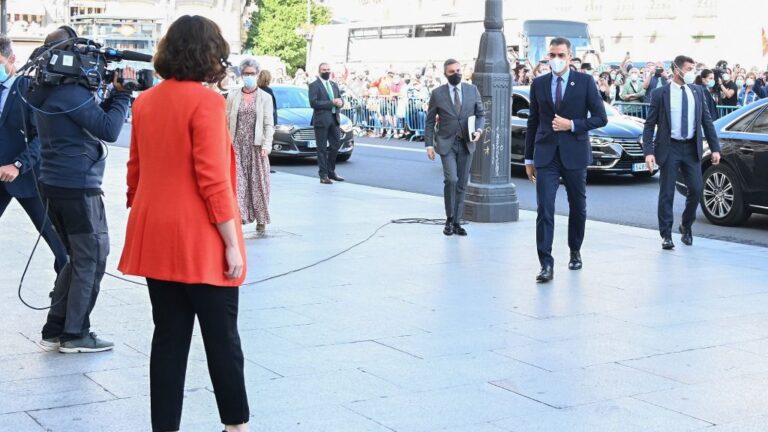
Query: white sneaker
50	344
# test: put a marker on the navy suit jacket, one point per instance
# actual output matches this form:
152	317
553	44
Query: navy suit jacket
581	98
12	145
658	119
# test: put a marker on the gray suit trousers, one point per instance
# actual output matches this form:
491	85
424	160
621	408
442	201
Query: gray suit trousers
456	164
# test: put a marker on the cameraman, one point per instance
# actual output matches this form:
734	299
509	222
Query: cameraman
71	126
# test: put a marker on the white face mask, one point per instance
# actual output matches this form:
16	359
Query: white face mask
726	77
557	65
689	77
750	82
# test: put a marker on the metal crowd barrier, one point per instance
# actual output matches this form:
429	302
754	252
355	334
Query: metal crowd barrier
387	115
640	109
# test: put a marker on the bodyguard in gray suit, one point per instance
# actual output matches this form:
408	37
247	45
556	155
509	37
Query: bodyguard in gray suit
447	133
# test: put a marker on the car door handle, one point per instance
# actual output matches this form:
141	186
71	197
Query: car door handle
747	150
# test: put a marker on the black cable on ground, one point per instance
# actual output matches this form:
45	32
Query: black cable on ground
405	221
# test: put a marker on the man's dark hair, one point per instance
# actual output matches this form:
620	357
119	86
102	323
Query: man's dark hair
192	50
5	46
705	73
449	62
681	60
60	35
320	66
561	41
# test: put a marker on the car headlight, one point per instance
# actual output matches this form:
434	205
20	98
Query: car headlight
600	141
346	128
284	128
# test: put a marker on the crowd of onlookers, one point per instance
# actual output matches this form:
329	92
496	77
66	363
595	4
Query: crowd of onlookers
630	82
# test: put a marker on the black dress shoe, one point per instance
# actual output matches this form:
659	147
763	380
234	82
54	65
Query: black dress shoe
575	263
448	230
336	177
458	230
667	244
546	274
687	235
326	180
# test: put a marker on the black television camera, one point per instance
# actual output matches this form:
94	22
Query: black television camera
85	62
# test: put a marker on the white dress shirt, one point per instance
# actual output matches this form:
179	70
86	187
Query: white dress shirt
676	108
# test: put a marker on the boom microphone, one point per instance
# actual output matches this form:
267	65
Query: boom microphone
112	53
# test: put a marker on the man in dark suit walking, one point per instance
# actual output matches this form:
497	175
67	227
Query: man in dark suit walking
325	99
565	106
454	104
678	114
18	163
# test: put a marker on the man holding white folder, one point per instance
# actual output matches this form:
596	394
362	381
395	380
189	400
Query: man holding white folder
455	121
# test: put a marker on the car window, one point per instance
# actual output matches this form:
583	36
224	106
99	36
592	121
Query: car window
291	97
518	103
742	123
761	124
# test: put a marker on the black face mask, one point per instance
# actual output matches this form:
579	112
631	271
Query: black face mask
454	79
325	75
407	81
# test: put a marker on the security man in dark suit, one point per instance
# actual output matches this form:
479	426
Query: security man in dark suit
325	99
678	114
453	104
565	106
19	163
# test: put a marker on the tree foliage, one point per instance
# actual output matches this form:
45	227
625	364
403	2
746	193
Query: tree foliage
274	30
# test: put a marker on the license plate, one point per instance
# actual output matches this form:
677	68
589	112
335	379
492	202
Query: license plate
312	144
639	167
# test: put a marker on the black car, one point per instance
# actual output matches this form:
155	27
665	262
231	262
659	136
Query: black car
294	137
738	186
616	147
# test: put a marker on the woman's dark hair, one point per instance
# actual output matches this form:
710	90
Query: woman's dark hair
700	78
192	50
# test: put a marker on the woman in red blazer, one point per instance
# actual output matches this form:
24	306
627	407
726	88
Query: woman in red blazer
183	231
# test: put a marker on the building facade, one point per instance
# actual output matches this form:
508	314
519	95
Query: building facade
707	30
123	24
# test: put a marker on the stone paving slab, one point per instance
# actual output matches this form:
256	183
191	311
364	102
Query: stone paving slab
413	331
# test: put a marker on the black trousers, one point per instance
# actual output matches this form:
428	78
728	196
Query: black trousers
174	307
36	212
547	183
82	225
328	140
683	158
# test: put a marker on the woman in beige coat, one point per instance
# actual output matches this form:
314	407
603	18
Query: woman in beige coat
251	124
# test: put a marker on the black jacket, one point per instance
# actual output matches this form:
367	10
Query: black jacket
322	104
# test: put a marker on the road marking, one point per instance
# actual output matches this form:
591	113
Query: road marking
385	147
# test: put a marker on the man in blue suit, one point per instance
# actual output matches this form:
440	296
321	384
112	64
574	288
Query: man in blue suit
19	163
678	114
565	106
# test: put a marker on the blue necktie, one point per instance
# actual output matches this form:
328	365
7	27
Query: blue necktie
558	93
684	116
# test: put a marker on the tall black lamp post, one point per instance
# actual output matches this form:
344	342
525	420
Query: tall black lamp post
491	196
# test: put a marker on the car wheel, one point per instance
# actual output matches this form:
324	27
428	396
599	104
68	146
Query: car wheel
644	174
722	198
344	157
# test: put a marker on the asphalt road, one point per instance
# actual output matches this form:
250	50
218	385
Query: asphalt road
403	166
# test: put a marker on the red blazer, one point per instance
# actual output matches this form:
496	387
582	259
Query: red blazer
181	183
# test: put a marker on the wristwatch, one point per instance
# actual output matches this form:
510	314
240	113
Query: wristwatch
18	164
